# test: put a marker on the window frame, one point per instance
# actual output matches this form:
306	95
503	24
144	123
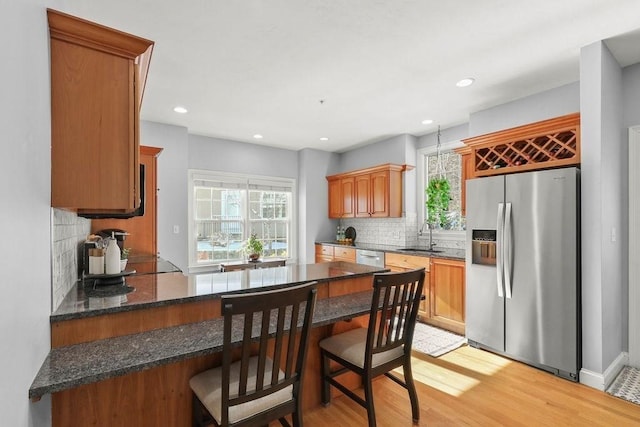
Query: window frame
247	180
422	154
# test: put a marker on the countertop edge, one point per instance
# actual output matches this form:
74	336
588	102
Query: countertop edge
447	253
175	341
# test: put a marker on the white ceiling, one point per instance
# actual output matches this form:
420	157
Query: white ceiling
381	66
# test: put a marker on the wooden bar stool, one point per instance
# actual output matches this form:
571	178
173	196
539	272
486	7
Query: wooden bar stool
384	345
264	386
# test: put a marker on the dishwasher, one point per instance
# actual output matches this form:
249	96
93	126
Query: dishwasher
374	258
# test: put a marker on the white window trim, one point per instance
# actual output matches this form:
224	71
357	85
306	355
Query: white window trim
194	174
421	198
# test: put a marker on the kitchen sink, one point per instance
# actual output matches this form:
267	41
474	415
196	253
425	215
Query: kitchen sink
434	251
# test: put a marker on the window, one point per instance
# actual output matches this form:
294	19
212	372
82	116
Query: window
451	163
226	208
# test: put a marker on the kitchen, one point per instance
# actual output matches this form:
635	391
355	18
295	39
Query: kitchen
27	162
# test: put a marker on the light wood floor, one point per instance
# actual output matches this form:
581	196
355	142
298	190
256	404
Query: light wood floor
471	387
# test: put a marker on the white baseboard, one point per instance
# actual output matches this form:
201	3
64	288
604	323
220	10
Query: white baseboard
602	381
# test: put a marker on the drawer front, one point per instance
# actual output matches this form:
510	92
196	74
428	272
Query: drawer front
320	258
345	253
324	250
408	262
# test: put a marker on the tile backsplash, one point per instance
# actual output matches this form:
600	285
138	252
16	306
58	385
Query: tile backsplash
401	232
68	231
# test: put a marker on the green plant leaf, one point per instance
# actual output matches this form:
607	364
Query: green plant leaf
437	203
253	245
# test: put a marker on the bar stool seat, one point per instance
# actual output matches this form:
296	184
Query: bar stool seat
351	345
207	386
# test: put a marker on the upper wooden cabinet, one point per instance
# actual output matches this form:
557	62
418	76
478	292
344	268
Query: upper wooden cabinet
341	197
540	145
367	193
98	76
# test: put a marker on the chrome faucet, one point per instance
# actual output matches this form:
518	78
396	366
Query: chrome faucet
432	244
431	226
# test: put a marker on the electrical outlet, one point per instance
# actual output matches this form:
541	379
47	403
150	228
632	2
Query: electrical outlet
176	229
396	234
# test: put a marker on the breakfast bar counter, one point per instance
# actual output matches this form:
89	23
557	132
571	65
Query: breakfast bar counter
108	357
157	290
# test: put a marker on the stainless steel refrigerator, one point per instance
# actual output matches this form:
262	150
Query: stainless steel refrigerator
523	268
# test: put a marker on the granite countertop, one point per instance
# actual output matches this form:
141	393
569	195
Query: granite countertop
447	253
151	264
143	291
71	366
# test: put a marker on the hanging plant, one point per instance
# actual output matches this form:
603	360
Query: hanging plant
437	201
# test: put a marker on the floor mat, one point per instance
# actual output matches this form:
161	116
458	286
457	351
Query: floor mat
627	385
435	341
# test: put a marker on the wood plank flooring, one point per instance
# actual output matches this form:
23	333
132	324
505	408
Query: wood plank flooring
471	387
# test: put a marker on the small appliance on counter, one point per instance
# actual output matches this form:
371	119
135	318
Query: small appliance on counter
346	236
119	234
350	234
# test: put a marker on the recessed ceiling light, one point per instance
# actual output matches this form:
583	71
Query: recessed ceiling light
427	122
180	109
257	136
324	138
465	82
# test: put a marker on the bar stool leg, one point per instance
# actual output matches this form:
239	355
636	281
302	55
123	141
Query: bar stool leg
324	370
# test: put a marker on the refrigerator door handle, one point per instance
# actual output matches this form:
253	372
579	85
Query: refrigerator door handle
499	249
508	250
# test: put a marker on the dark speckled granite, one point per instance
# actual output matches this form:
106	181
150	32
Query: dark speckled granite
153	290
68	367
447	253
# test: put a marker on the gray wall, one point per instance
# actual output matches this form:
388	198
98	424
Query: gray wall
313	221
172	189
390	150
455	133
544	105
25	215
410	177
631	95
232	156
400	150
604	199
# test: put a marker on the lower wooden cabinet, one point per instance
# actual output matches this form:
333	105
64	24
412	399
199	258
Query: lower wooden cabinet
444	289
324	253
327	253
401	262
444	285
447	295
341	253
